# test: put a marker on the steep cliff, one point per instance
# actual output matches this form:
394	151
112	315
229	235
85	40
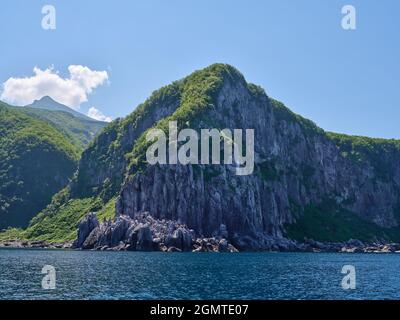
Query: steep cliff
297	166
306	182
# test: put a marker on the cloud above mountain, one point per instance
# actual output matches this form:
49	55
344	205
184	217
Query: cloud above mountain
98	115
71	91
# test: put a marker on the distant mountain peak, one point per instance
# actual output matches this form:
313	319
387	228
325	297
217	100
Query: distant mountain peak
47	102
46	99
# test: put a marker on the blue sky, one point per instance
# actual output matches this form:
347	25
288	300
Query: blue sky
345	81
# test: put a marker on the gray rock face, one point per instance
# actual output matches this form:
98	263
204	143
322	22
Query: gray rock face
93	173
294	165
118	230
223	246
86	226
91	239
144	238
144	233
181	239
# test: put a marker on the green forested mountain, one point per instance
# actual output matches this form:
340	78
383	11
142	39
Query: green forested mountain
81	131
37	160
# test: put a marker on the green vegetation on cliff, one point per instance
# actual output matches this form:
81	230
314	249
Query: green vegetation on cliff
364	149
123	142
197	95
79	131
58	221
326	222
36	162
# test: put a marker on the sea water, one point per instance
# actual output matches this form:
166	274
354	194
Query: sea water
156	275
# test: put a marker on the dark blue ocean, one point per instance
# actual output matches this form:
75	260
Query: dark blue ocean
140	275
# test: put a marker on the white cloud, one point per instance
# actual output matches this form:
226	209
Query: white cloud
71	91
98	115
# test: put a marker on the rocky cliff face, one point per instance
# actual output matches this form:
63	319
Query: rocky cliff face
103	164
297	165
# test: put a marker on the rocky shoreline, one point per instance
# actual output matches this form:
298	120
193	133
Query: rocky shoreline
22	244
215	245
144	233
